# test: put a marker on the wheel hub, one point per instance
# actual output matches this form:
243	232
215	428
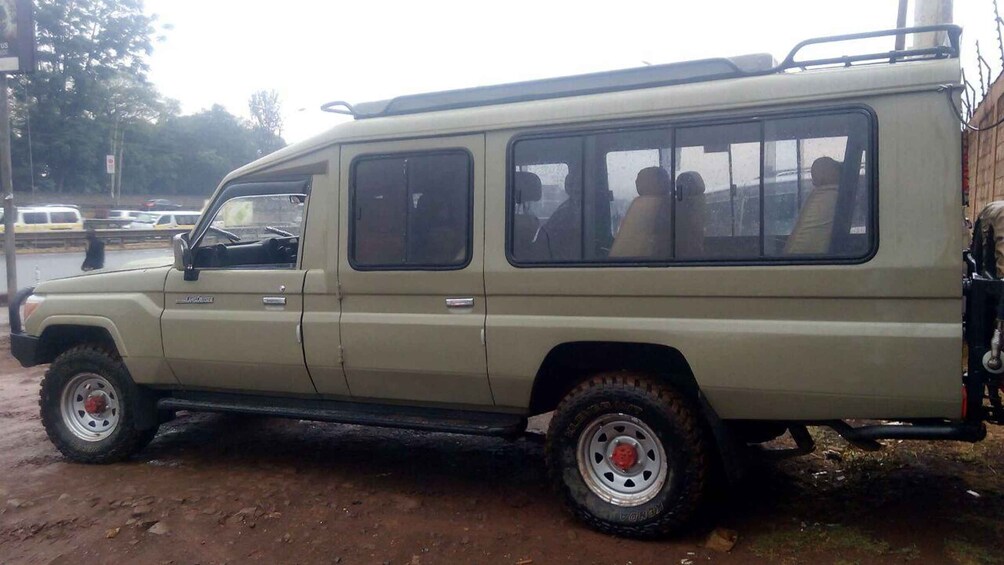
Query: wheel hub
622	460
96	404
90	407
624	457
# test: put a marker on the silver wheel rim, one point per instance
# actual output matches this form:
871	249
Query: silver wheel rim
605	460
90	407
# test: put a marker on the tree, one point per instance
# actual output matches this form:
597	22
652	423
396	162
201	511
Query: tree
91	97
91	82
266	121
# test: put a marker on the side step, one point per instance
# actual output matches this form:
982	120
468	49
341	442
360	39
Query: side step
866	437
380	415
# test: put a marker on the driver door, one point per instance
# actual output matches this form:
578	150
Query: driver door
236	327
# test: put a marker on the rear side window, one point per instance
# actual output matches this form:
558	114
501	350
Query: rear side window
63	217
759	190
35	218
411	211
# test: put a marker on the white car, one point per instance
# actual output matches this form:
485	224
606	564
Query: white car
165	220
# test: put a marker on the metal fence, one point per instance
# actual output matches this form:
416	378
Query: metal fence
56	239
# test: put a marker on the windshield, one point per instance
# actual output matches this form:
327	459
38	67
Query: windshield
147	218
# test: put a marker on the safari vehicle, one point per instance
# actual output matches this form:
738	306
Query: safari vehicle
678	261
46	218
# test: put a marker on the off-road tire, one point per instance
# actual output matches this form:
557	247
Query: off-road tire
126	439
676	422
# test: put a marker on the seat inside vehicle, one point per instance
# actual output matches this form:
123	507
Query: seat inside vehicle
814	228
525	226
647	228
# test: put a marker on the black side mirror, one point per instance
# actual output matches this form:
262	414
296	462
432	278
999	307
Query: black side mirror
183	260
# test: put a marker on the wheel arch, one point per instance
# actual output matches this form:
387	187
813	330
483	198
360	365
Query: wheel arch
60	333
569	363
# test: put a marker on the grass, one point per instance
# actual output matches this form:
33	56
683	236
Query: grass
791	546
966	553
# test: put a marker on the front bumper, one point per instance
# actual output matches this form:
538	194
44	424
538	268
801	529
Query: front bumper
24	348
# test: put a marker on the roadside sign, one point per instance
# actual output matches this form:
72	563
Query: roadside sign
17	36
110	164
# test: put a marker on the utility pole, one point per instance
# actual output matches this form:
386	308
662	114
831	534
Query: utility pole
931	12
6	172
901	23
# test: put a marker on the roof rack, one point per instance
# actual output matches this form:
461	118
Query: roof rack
652	76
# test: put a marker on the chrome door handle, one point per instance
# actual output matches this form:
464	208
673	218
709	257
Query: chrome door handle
460	303
274	300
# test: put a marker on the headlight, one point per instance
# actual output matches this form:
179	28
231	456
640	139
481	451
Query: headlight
29	306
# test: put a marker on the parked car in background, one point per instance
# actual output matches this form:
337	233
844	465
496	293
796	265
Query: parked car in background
46	218
164	220
160	204
123	214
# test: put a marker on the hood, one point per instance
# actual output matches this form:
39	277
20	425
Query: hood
128	278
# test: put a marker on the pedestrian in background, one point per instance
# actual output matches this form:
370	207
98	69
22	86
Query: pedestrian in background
94	257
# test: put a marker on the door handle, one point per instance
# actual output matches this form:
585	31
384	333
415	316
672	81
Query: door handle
460	303
274	300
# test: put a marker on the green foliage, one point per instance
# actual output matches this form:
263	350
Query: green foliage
266	121
91	83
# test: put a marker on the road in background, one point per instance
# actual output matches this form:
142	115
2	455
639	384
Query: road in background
33	268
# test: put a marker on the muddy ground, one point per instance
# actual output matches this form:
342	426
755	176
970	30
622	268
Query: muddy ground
219	489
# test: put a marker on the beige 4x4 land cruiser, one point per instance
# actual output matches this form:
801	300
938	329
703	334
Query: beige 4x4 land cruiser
678	260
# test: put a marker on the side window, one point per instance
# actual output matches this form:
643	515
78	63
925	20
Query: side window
35	218
252	231
64	217
411	211
756	190
725	161
812	165
165	220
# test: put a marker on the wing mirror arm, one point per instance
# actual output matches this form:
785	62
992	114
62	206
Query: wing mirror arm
183	257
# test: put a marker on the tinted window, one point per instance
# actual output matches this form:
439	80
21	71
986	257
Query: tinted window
63	217
35	218
411	211
753	190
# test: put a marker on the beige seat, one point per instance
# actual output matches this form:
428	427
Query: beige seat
646	232
813	231
525	223
690	216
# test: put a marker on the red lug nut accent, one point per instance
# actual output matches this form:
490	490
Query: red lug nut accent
624	456
95	404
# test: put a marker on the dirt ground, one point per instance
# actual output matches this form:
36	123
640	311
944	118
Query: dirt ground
223	489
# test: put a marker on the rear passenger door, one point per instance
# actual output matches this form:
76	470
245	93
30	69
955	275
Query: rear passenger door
411	271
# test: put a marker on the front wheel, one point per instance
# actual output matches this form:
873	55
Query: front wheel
89	407
629	455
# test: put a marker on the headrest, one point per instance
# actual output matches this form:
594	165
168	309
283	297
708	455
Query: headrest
573	185
826	172
689	184
527	187
653	181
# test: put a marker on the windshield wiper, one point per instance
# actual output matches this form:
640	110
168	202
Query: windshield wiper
234	238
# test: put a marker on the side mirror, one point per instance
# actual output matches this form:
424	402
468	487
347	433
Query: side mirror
183	260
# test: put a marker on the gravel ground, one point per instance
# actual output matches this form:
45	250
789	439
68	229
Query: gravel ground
224	489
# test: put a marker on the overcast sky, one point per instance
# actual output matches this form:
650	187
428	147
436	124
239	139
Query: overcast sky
220	51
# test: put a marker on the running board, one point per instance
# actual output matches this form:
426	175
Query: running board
866	437
380	415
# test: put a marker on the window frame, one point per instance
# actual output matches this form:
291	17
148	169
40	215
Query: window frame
758	118
351	210
244	188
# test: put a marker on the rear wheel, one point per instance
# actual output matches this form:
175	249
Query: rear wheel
629	455
89	407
